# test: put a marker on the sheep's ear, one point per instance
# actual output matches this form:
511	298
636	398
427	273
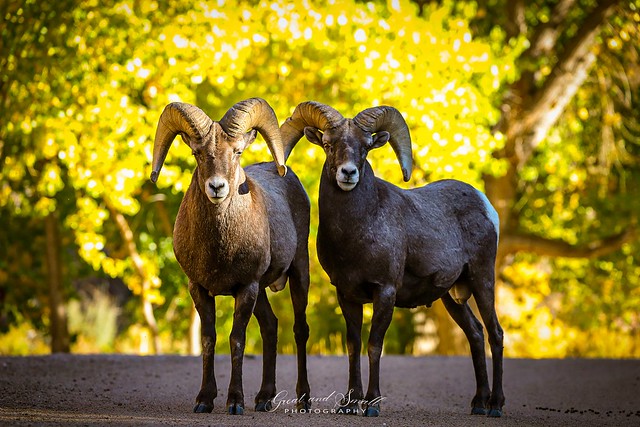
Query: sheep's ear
313	135
379	139
249	137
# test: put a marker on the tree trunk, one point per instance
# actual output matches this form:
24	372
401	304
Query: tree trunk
57	312
130	244
529	111
528	114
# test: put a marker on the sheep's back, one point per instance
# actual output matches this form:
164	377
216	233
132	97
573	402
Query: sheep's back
452	218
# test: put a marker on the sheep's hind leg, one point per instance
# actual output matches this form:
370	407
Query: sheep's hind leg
486	304
206	307
384	299
352	313
299	287
245	303
472	328
269	331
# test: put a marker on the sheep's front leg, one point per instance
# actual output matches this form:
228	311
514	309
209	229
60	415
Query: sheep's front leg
352	313
206	307
384	299
245	303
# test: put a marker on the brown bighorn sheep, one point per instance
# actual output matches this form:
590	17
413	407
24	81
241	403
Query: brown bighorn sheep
237	232
399	248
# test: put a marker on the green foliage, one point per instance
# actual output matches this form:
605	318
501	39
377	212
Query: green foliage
84	83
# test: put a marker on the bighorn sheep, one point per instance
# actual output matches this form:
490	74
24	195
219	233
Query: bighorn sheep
237	232
395	247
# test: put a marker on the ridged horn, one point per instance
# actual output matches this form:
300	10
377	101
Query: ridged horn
177	117
256	113
389	119
309	113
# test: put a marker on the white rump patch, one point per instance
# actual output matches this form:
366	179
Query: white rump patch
491	213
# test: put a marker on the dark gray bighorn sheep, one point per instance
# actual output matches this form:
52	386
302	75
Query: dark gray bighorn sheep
237	232
399	248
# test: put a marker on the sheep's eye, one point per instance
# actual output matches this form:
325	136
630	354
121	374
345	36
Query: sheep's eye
237	153
327	147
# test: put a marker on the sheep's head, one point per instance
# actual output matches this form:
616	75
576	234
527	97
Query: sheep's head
346	142
217	146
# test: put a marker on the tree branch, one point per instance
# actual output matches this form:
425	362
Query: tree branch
516	23
557	82
546	35
539	132
512	243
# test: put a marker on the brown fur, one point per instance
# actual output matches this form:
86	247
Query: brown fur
237	232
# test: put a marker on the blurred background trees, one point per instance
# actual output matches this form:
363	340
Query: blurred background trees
533	102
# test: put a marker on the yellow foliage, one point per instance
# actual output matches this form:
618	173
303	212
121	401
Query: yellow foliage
23	340
129	61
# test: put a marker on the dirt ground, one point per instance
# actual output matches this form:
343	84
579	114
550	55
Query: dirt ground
418	391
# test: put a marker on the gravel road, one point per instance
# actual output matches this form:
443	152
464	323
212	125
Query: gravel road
418	391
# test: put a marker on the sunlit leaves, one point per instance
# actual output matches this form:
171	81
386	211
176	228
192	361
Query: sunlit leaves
85	83
90	112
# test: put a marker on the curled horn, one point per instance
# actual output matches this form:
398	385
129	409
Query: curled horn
256	113
310	113
176	118
389	119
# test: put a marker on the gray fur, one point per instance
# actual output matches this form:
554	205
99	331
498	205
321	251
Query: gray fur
392	247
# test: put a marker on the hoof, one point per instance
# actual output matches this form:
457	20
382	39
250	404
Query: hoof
352	409
235	409
478	411
495	413
372	411
303	406
264	406
202	408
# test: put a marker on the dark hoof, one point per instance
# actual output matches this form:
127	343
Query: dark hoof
495	413
478	411
264	406
202	408
236	409
372	411
303	406
352	409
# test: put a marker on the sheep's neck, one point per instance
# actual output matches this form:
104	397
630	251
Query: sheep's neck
233	222
360	202
213	242
237	212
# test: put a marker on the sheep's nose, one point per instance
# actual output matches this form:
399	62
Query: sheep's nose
217	189
348	171
217	185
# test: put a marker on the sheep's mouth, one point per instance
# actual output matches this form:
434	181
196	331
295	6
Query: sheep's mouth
347	185
216	200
